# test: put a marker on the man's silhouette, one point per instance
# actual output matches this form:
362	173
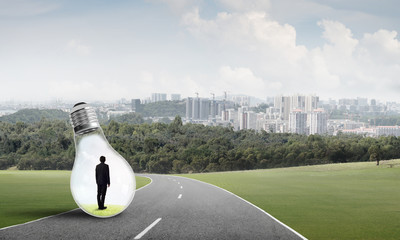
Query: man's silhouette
102	180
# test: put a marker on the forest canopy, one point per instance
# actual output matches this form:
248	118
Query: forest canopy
178	148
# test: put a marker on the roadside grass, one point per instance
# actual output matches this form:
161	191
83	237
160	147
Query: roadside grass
335	201
30	195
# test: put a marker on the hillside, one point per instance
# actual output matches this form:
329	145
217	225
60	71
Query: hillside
164	109
35	115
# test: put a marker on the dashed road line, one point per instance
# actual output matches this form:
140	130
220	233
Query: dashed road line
180	196
140	235
181	187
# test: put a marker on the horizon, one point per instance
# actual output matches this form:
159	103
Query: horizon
217	97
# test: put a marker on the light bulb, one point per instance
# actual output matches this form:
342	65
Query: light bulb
90	145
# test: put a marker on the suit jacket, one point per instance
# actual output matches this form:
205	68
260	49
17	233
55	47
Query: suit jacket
102	174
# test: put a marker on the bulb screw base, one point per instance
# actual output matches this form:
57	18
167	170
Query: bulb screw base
83	118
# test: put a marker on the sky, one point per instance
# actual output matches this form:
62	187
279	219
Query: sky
107	50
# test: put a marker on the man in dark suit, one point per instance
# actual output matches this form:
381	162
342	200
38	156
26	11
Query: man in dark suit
102	180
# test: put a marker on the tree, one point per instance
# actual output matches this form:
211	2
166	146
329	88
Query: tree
176	125
374	153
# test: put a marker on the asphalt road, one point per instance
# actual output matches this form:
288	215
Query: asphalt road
169	208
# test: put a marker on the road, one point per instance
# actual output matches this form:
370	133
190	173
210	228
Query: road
169	208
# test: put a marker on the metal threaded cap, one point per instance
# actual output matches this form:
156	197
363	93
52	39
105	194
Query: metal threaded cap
83	118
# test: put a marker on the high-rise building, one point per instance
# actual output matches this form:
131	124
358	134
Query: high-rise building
318	121
362	101
241	100
387	131
247	119
251	120
189	108
298	122
286	104
196	109
136	106
204	109
213	109
297	102
311	103
225	115
282	103
158	97
242	120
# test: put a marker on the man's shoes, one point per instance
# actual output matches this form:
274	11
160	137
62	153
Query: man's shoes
102	208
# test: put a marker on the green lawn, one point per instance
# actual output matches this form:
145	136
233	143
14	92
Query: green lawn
29	195
336	201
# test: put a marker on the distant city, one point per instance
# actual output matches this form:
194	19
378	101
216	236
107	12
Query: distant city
301	114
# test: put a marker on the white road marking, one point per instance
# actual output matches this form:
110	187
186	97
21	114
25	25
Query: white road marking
181	187
174	180
147	229
180	196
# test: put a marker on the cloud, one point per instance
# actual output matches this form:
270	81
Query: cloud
242	80
339	36
383	46
238	46
253	31
342	66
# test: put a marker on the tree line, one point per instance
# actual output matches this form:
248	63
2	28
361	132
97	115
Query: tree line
178	148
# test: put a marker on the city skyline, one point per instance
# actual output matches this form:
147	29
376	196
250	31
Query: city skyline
243	100
103	50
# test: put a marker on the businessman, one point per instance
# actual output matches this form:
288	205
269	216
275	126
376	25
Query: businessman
102	180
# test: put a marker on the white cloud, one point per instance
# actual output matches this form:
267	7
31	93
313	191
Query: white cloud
338	36
343	66
253	31
383	46
242	80
247	47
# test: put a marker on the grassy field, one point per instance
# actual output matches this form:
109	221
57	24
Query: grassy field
29	195
337	201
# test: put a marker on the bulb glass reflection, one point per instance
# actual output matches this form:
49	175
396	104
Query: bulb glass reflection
89	146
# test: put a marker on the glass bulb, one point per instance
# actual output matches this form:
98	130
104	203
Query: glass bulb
90	145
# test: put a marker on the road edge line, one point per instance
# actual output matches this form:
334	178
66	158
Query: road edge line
36	220
262	210
43	218
151	181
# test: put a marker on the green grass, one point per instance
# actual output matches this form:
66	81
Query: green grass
29	195
336	201
109	211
